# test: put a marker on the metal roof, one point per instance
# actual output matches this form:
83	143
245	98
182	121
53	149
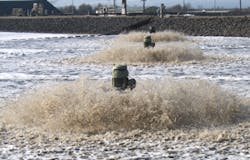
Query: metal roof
20	0
6	6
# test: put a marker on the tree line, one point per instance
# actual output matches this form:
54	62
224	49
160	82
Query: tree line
86	9
83	9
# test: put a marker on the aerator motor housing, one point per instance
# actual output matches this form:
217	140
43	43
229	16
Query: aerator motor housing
120	78
148	42
152	29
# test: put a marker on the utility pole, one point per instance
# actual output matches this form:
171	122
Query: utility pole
143	5
124	7
240	5
72	7
114	6
184	4
215	5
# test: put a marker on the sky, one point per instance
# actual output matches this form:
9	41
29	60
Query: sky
194	3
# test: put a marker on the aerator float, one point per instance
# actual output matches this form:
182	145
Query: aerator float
120	78
148	42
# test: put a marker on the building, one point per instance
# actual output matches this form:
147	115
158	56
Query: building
27	8
113	10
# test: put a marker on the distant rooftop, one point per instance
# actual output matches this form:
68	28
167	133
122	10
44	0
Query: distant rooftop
19	0
26	8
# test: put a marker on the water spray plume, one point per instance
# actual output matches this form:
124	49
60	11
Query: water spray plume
165	36
136	53
93	106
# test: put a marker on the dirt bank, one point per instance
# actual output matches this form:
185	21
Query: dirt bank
197	26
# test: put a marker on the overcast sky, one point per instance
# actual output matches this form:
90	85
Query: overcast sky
194	3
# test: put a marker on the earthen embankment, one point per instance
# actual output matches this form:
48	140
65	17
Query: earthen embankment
197	26
206	26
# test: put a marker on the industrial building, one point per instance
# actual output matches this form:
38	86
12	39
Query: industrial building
114	9
27	8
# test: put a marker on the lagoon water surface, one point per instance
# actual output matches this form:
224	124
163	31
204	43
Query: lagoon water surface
30	59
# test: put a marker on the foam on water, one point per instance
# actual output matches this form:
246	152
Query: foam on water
27	77
161	102
226	46
36	58
6	53
8	36
42	60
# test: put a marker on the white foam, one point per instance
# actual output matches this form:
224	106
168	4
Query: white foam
7	36
48	65
7	53
234	76
23	76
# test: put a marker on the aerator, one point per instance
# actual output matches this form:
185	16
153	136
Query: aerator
120	78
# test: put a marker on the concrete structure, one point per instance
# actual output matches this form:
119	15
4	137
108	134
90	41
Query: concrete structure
27	8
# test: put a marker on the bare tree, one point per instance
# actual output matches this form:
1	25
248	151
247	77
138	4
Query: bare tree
68	9
84	9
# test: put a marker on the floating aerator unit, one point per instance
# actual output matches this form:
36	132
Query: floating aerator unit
120	78
148	42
